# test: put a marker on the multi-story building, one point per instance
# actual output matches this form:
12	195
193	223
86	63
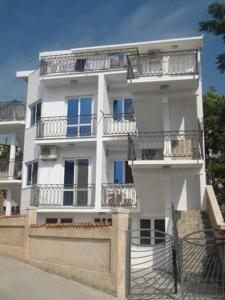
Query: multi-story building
115	126
12	124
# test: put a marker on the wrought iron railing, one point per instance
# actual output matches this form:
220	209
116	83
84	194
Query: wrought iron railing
85	62
119	123
12	111
63	195
10	169
67	127
161	145
165	63
117	195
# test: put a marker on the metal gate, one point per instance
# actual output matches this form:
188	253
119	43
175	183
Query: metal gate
203	266
151	266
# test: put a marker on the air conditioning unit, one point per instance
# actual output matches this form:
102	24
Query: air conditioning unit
48	153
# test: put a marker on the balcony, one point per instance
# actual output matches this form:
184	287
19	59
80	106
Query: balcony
158	64
165	146
63	196
81	126
119	124
10	169
118	195
13	111
85	62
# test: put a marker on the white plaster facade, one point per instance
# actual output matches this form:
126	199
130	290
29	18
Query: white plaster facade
166	99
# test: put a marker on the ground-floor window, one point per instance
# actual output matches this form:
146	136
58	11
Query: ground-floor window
51	220
99	220
152	231
66	220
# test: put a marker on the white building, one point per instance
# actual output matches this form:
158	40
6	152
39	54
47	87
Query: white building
12	124
115	126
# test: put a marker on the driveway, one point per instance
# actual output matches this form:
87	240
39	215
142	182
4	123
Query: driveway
20	281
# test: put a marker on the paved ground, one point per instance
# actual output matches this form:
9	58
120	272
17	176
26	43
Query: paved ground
20	281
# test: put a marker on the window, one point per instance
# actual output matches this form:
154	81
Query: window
76	190
122	172
79	117
35	113
32	172
51	220
145	232
123	110
66	220
152	231
99	220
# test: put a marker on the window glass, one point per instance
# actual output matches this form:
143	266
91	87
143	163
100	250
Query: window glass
118	171
29	174
128	109
159	231
51	220
128	173
33	115
117	110
145	232
35	173
66	220
38	112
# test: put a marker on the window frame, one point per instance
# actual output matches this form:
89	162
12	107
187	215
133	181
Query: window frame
30	166
34	118
122	116
152	229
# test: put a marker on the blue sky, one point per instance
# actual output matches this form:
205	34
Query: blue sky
30	26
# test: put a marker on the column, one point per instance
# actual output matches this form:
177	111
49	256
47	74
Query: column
8	208
12	156
167	201
166	126
102	91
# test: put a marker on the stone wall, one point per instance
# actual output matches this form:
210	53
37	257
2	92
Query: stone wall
91	254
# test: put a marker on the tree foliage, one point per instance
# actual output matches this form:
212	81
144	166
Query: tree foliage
216	26
214	123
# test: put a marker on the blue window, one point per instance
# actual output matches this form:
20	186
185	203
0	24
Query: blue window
122	172
35	113
32	172
123	109
79	117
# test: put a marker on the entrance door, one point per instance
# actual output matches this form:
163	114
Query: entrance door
79	117
76	182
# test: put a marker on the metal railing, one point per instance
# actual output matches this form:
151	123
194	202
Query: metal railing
85	62
10	169
12	111
161	145
159	64
63	195
117	195
119	123
67	127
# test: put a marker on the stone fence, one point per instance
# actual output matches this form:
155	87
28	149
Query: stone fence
92	254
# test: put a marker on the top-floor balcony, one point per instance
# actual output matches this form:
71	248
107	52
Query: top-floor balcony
106	60
12	111
158	64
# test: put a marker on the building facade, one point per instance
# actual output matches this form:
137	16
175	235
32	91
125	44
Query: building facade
12	124
115	126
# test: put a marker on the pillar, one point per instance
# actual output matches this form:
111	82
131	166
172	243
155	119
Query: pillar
8	208
166	126
12	156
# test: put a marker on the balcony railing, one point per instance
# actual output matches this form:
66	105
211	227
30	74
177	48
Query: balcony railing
117	195
85	62
119	123
10	169
162	145
67	127
12	111
159	64
62	195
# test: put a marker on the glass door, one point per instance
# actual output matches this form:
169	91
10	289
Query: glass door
76	182
123	110
122	172
79	117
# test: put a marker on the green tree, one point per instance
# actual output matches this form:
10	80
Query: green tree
216	26
214	123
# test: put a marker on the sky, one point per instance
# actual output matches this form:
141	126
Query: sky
30	26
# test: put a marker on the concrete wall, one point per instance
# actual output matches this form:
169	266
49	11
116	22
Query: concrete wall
95	256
